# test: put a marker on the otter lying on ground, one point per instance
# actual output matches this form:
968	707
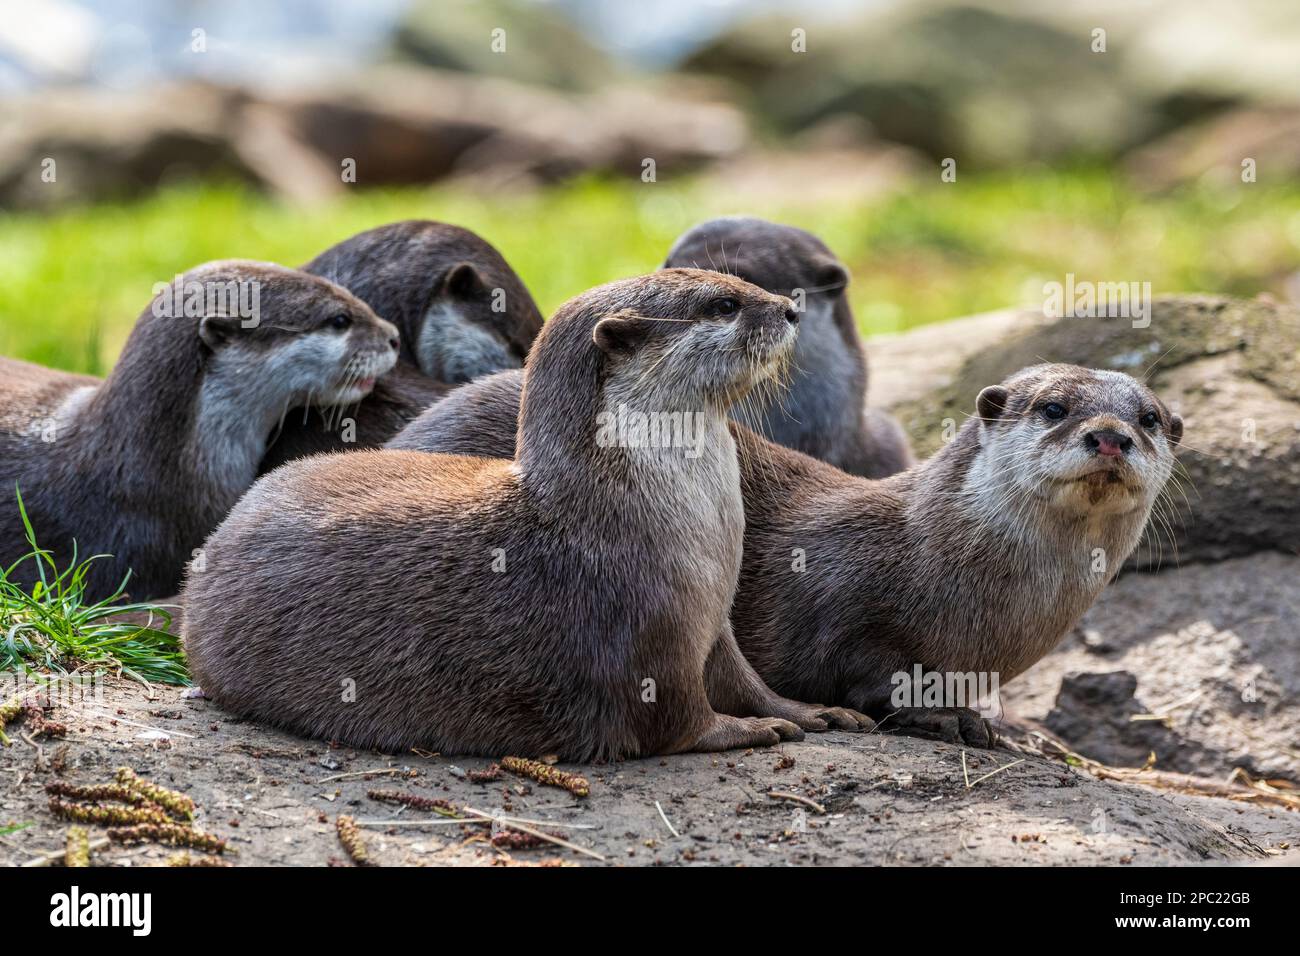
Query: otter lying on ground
572	600
977	560
143	465
462	313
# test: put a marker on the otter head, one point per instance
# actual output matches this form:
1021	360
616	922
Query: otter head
781	259
465	330
461	309
691	335
284	338
1084	441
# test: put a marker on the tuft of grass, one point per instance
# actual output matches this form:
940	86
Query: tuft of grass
53	628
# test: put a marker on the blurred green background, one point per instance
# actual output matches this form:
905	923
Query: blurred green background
1122	164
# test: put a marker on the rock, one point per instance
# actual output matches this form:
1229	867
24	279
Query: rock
1230	367
397	125
1212	152
1210	648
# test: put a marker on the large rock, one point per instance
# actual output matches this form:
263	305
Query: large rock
1196	665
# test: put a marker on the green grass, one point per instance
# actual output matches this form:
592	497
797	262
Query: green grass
72	284
53	628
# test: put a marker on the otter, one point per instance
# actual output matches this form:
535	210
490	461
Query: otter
572	600
461	310
977	560
144	464
822	413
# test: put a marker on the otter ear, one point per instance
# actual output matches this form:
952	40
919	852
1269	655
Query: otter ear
217	330
832	280
1175	428
991	403
464	281
621	332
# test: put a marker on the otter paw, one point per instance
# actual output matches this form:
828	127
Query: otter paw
817	717
954	725
773	730
734	733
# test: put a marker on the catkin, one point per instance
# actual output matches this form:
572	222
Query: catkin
444	807
551	776
350	837
76	851
110	815
177	804
175	834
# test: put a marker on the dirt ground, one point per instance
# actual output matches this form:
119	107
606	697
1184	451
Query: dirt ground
871	799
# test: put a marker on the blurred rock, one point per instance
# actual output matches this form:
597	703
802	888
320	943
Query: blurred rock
1003	82
541	45
397	125
1212	152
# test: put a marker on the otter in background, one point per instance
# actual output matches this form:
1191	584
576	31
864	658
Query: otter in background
823	412
143	465
461	310
572	600
978	560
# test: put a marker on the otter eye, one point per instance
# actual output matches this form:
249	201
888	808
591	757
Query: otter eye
726	306
340	321
1054	411
1149	420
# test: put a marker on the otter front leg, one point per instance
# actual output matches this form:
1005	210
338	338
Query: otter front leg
735	688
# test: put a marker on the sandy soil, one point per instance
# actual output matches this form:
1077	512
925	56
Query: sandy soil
880	799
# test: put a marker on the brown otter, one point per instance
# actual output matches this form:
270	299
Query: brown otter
822	413
975	561
143	465
461	310
572	600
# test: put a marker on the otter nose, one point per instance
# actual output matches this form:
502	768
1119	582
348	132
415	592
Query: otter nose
394	343
1109	443
792	315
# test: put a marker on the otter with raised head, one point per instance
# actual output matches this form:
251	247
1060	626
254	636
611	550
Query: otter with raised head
976	561
143	465
462	313
822	412
572	600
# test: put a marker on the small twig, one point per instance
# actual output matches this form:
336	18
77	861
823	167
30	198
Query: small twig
57	856
992	772
360	773
778	795
122	720
558	841
964	772
664	817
